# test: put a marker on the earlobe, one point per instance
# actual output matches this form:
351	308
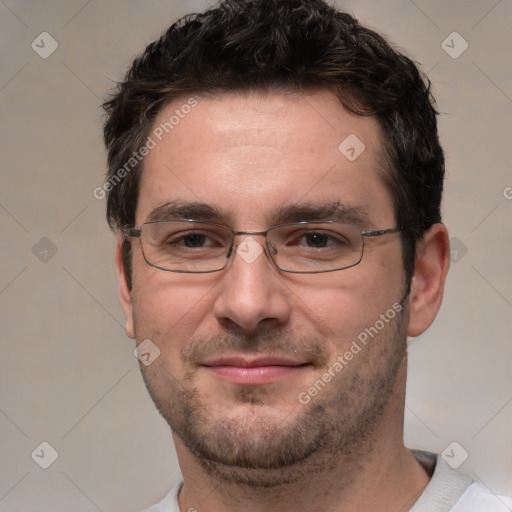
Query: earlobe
125	296
427	286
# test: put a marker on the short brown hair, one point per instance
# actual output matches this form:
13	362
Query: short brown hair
245	45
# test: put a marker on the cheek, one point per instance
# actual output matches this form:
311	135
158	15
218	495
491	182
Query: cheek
168	306
343	305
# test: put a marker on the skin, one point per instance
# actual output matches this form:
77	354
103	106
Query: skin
257	447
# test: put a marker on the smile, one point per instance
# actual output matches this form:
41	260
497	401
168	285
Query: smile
238	370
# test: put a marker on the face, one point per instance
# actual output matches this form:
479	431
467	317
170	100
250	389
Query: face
264	374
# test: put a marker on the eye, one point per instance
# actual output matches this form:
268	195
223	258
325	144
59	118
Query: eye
194	240
319	240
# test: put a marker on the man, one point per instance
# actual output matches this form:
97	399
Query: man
275	180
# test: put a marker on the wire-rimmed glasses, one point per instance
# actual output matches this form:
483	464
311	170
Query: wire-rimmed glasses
193	246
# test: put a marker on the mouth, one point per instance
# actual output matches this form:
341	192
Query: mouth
262	370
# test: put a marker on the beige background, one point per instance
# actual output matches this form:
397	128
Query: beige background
68	375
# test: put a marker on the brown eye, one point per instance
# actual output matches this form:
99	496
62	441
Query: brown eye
194	240
319	240
316	240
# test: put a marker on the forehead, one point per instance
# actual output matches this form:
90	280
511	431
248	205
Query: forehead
250	154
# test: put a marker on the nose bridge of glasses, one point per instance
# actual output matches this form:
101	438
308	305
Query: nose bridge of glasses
249	236
249	249
250	233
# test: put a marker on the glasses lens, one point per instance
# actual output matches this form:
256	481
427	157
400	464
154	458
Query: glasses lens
184	246
315	247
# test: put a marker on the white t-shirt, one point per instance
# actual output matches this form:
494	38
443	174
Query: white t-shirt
447	491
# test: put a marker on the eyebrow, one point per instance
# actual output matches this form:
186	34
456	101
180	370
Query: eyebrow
185	210
335	210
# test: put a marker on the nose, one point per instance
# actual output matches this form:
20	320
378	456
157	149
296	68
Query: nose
252	295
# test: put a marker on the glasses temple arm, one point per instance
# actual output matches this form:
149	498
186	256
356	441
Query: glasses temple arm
131	232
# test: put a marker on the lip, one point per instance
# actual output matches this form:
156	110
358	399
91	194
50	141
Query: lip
257	371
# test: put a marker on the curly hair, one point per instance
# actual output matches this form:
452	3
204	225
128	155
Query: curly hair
288	45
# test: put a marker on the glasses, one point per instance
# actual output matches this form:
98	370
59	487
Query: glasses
193	246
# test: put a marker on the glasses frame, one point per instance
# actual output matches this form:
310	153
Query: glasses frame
132	232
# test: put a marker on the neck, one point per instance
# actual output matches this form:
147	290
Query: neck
384	476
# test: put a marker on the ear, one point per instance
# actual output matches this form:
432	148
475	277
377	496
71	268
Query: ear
427	286
125	296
